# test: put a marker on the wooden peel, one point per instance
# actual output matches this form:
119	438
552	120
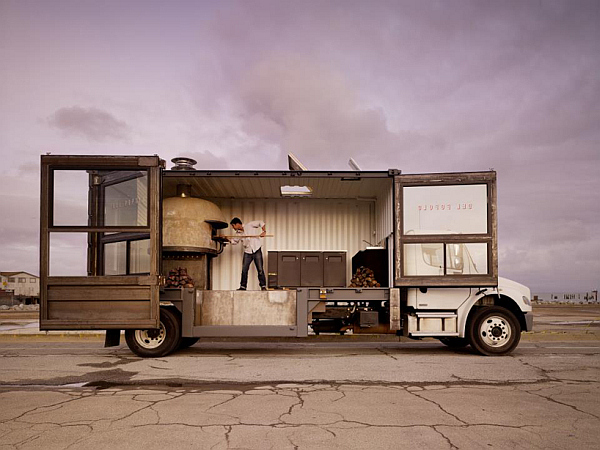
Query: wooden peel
239	236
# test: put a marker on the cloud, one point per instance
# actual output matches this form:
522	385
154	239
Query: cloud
309	108
93	123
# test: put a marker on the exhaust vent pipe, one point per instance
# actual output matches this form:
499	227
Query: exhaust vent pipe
182	163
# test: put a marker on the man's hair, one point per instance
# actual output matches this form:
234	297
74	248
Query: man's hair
235	220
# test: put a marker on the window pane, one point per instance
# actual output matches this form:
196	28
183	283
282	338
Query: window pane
68	254
423	259
445	209
70	203
139	261
115	258
466	259
126	199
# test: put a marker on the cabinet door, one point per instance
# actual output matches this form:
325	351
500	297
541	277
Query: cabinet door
334	269
288	269
311	269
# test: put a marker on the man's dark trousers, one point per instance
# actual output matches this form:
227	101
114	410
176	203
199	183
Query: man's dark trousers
257	257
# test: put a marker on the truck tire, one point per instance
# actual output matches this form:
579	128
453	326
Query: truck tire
455	342
493	331
187	342
156	343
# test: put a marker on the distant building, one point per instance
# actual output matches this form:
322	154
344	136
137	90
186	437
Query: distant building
567	297
24	287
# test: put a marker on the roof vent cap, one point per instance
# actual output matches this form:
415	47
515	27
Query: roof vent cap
183	163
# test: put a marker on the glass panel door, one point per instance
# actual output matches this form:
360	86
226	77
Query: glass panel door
446	230
119	232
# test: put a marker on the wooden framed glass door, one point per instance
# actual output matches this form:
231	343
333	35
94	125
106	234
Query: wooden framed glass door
119	287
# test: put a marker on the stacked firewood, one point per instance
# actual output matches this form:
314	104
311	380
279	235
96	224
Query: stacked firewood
179	278
364	277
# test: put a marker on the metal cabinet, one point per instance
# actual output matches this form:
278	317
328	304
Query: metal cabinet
306	269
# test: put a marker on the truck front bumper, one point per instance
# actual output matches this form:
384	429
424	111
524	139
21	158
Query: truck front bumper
528	321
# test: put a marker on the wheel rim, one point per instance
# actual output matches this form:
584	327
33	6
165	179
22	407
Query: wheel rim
495	331
150	339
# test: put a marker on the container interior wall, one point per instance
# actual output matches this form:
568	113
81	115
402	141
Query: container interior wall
384	225
297	224
384	213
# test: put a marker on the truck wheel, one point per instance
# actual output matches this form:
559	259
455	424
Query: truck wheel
493	331
156	343
455	342
188	342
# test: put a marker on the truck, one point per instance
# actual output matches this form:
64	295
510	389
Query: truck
351	252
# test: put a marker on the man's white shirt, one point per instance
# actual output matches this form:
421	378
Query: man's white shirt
251	244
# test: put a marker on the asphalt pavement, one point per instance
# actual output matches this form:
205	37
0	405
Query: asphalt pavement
67	391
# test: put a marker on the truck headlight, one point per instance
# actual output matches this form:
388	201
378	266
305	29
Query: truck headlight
527	301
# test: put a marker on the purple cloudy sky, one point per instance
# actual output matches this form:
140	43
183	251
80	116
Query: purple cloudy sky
422	86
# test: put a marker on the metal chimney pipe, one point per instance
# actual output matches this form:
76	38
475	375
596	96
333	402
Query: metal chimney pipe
183	163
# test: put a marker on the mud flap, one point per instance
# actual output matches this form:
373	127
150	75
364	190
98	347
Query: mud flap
112	338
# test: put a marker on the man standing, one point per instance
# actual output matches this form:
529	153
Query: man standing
252	249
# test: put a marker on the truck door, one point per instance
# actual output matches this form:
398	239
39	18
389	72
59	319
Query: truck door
99	242
446	230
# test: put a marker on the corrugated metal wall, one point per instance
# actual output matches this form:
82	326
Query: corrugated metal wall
384	215
298	224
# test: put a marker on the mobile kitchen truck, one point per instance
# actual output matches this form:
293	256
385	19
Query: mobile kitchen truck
425	247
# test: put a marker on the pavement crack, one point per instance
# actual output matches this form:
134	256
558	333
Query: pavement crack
438	405
27	440
294	445
223	402
380	350
81	439
32	411
446	438
160	368
150	405
291	408
550	399
130	414
543	372
228	435
339	392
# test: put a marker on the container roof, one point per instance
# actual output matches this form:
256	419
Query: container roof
229	184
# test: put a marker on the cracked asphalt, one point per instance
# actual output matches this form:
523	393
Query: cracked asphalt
72	393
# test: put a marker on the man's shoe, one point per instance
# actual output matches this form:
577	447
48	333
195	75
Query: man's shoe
263	288
241	289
